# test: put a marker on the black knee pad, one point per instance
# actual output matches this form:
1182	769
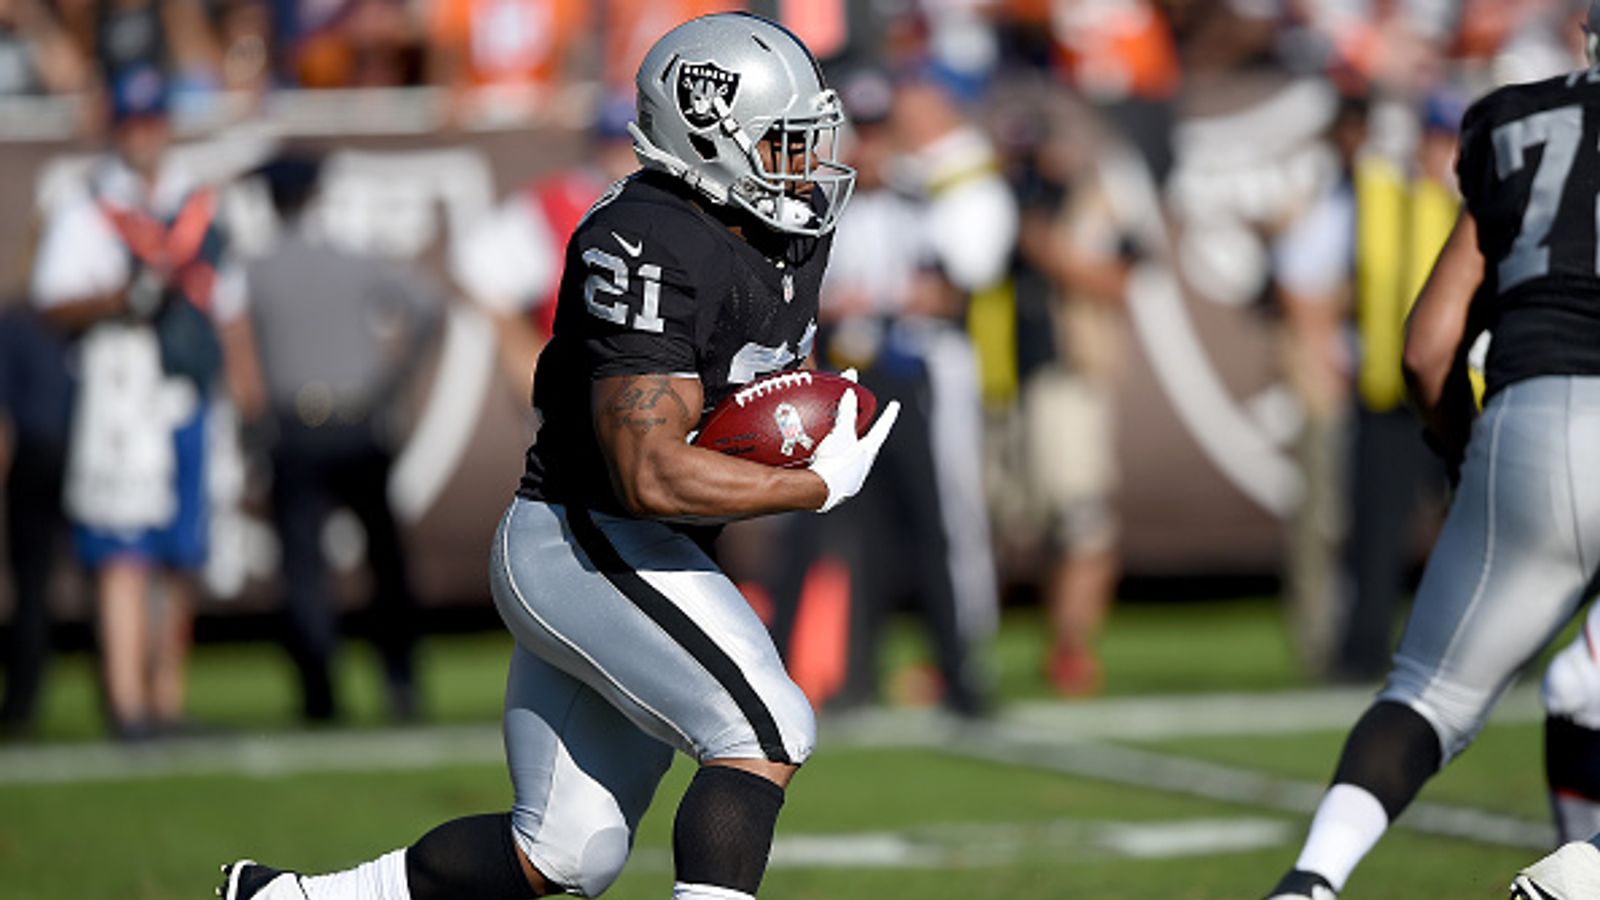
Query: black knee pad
723	832
1390	753
1572	758
471	857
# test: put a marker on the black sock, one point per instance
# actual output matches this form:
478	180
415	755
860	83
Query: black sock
723	831
1572	758
1390	753
470	857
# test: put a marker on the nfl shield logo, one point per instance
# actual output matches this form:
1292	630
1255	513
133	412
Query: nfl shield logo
699	85
788	286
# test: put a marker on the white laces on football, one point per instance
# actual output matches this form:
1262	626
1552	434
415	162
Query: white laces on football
843	459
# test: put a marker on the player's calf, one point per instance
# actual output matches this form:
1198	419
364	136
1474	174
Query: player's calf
470	857
1390	754
723	834
1571	695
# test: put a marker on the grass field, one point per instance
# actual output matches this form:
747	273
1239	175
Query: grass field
1187	781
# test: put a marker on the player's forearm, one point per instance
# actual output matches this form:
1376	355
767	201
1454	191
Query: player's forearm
76	315
687	482
1441	326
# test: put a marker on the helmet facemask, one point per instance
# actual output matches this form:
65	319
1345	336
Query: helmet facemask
795	157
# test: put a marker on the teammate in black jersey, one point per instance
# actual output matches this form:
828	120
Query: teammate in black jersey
690	278
1521	545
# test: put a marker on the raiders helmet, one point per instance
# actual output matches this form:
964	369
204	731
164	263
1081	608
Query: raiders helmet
711	89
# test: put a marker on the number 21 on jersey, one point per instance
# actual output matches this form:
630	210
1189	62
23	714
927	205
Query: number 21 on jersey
609	275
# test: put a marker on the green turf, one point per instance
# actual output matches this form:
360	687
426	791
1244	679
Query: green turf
1148	648
1503	770
162	837
153	840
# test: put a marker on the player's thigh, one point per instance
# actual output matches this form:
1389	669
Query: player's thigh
583	774
1506	573
638	612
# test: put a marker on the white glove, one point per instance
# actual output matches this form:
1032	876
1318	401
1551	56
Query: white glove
842	459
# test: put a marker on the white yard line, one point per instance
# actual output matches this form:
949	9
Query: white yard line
970	845
1044	736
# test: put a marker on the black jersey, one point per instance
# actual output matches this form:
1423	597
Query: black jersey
656	283
1530	174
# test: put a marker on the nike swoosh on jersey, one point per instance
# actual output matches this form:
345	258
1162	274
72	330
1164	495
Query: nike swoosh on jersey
633	249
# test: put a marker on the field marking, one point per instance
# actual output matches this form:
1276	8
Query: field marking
1066	738
1044	736
1121	764
970	845
1137	718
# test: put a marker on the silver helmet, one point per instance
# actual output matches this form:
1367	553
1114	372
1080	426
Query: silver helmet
712	89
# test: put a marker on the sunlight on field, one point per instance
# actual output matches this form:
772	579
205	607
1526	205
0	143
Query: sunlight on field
1138	795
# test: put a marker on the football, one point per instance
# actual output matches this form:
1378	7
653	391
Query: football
778	420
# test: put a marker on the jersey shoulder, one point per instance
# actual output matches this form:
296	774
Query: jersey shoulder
1513	101
644	218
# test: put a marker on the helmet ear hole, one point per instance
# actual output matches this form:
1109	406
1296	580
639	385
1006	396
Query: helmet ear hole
703	146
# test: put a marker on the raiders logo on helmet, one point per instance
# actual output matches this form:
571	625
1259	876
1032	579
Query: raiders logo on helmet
699	84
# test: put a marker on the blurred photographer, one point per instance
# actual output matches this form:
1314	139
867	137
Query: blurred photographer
132	262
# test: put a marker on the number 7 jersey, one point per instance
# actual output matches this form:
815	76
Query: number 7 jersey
1529	170
657	284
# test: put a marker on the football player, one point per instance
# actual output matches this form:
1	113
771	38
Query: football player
687	279
1521	544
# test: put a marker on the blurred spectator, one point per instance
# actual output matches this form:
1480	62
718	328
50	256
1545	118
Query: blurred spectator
196	53
1072	237
134	262
896	290
346	43
1546	42
172	38
37	56
35	419
1314	267
503	58
629	27
244	32
1404	211
1120	55
129	36
510	263
337	336
831	28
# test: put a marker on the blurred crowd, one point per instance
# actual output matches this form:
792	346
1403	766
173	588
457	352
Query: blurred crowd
508	57
1028	184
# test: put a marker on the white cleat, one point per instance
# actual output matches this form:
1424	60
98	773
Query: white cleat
250	880
1302	885
1572	872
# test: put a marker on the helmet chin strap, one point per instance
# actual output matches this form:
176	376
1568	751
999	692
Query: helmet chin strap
654	157
782	211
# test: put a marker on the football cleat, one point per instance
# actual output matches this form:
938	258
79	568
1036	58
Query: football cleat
247	879
1572	872
1302	885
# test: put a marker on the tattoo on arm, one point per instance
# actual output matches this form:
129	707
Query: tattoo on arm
636	404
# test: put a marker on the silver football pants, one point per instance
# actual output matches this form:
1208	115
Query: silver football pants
1514	557
630	642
